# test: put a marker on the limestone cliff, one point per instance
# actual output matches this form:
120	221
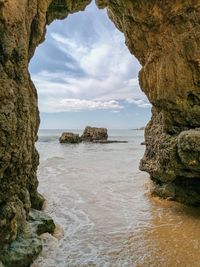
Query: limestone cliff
22	28
164	36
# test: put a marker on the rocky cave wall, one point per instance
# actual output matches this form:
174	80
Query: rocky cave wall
22	28
164	36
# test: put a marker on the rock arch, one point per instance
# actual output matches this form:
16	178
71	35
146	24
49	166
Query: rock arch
164	36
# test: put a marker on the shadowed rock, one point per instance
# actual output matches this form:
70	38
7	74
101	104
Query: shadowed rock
189	149
70	138
25	249
41	221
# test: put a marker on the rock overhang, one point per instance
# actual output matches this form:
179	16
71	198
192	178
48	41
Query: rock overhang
165	38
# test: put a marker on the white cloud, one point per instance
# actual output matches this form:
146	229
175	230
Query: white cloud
109	72
110	87
142	103
69	105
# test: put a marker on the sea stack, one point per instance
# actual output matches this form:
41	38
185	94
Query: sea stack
91	134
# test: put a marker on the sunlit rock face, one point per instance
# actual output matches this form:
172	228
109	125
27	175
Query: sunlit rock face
164	36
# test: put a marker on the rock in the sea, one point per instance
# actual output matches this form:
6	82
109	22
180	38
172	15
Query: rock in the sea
143	143
91	134
70	138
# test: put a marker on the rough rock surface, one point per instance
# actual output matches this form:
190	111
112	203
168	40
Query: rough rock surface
27	246
22	28
23	251
164	36
70	138
41	221
91	134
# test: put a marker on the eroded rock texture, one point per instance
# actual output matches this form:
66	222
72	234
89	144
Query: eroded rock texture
91	134
164	36
70	138
22	28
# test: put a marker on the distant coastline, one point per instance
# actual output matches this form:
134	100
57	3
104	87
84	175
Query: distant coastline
139	129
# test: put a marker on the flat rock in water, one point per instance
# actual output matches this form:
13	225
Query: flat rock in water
108	141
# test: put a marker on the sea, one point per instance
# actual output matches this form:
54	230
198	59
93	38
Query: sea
104	214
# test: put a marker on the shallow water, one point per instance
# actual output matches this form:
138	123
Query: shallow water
104	216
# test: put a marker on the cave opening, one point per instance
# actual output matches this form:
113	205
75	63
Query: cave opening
164	36
85	75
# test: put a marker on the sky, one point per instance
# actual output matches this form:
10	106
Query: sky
85	75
